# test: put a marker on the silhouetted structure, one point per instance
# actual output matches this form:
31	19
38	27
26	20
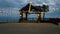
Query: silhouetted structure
36	9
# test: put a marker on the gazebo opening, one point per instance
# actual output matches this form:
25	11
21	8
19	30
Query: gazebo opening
26	11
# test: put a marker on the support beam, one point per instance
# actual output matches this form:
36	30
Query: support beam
39	16
26	15
21	16
43	15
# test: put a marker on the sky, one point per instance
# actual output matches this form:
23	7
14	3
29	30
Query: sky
10	8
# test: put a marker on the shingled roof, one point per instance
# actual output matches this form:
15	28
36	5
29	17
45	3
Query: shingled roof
36	8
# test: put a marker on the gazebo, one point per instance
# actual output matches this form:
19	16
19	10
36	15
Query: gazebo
36	9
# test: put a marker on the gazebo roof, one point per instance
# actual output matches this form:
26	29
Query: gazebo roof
35	8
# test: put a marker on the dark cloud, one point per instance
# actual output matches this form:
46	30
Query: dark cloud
10	3
5	4
22	3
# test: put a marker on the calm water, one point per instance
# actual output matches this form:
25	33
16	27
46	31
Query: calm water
16	18
12	16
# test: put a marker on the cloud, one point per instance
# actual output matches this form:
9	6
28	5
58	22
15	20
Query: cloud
9	12
11	3
52	5
14	4
20	3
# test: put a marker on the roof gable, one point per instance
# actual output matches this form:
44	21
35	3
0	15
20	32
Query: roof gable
43	8
36	8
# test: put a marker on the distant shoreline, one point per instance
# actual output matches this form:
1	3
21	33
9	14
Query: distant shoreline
45	20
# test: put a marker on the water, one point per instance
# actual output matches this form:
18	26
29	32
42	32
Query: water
16	18
13	16
8	19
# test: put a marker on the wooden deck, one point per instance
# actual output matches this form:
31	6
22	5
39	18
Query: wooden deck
29	28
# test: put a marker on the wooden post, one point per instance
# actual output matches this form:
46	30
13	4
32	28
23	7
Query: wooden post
21	16
26	15
43	15
39	16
